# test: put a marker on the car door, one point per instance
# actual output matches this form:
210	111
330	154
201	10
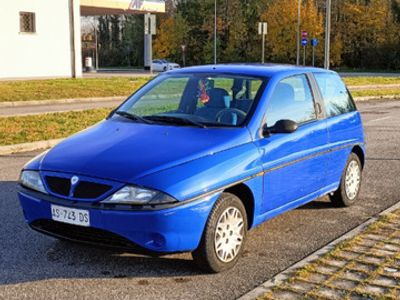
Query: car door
294	163
343	123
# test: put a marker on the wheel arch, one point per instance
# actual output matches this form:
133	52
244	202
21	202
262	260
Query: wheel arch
360	153
245	194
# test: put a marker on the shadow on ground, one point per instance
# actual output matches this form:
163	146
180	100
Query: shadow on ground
47	257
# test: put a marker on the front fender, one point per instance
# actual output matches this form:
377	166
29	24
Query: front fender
206	174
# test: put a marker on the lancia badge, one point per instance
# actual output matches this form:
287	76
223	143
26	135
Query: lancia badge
74	180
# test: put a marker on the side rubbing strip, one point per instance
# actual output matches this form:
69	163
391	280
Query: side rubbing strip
220	189
308	157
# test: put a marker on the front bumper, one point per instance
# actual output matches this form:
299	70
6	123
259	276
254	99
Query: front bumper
175	229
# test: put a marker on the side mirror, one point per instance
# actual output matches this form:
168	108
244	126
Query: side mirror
282	126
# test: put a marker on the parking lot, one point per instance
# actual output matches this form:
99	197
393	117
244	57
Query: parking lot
35	266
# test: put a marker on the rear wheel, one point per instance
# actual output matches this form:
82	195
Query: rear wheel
350	183
224	236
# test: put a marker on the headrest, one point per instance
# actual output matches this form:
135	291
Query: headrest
218	98
284	93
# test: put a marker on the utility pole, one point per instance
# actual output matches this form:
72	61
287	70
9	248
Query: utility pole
327	33
215	32
298	32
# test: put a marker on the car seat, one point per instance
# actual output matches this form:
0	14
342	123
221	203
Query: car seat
217	102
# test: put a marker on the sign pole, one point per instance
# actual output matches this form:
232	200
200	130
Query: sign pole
298	32
263	49
304	42
215	32
327	34
313	56
183	47
263	30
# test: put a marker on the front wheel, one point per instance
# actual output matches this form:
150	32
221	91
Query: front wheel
224	236
350	183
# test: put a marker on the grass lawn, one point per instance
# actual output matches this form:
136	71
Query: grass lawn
15	130
68	88
382	92
371	80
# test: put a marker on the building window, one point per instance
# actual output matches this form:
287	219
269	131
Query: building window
27	22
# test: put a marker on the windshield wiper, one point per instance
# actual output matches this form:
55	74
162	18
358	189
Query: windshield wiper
133	117
176	120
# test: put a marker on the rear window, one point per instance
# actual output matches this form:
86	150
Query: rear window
335	94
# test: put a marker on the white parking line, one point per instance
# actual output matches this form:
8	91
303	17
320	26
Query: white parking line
376	120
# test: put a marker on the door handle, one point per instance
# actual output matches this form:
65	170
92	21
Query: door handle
318	108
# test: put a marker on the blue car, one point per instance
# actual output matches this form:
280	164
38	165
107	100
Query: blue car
196	158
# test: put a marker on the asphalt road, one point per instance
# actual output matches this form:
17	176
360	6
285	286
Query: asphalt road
34	266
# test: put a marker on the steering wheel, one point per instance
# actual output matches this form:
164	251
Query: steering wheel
239	113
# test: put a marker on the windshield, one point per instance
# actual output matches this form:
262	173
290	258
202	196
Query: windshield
199	100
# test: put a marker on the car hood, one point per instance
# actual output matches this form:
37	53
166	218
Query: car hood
121	150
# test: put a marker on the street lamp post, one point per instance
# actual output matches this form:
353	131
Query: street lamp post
298	32
215	32
327	33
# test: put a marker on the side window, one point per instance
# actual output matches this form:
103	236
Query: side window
291	100
334	93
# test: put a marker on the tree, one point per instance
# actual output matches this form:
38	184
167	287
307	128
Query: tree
172	34
282	33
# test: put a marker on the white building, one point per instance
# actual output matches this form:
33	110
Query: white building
42	38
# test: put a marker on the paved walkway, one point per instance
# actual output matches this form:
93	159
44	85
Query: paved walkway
365	267
37	109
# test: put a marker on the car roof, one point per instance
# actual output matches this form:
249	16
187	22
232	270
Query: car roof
265	70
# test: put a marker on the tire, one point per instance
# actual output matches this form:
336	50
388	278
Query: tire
207	256
165	69
352	173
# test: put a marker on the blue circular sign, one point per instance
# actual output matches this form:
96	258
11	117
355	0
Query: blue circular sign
304	42
314	42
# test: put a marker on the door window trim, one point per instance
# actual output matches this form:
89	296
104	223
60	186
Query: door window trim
314	95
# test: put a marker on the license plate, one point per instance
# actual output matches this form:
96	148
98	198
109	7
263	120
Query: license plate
70	215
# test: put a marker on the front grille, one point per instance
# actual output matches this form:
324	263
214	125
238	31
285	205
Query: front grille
88	235
90	190
83	189
59	185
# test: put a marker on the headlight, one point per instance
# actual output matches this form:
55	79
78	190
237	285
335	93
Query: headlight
138	196
32	180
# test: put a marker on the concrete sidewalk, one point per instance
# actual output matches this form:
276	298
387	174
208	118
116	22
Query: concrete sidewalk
363	266
23	108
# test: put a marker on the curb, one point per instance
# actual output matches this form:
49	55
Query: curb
25	147
367	98
60	101
286	274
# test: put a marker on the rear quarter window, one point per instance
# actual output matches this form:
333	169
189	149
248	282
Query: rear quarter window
335	94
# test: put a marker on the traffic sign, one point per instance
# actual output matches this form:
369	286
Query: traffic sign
262	28
304	42
314	42
304	34
150	24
